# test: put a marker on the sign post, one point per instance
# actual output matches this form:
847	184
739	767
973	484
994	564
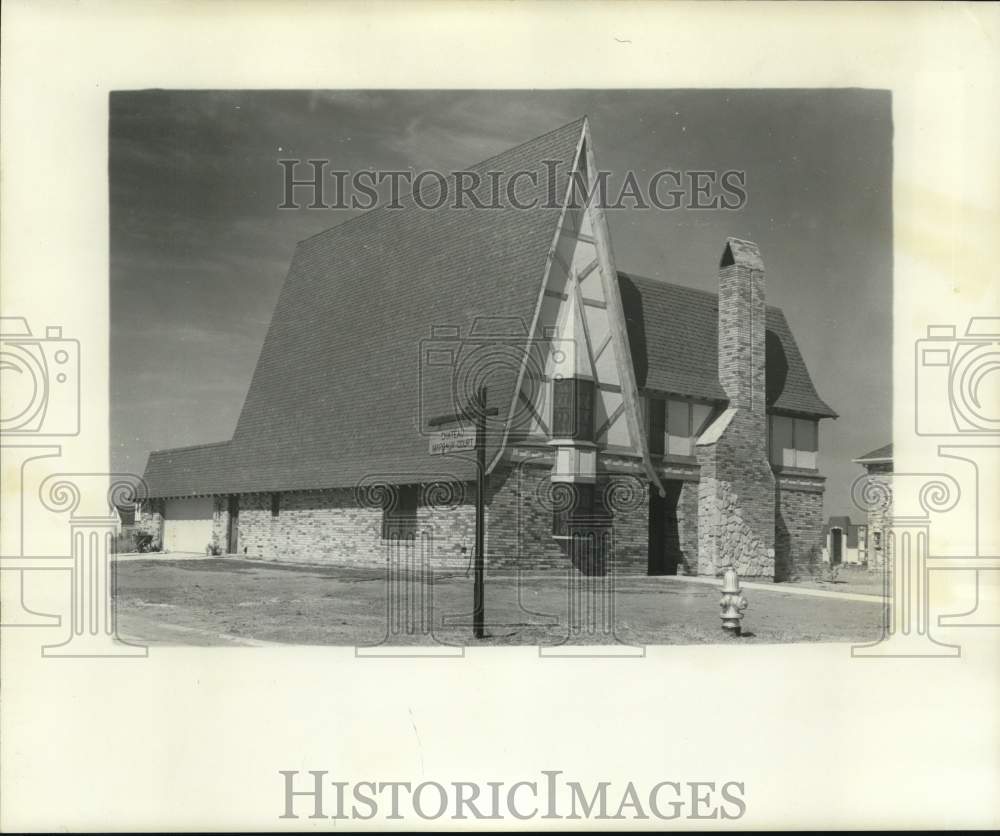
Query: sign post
451	441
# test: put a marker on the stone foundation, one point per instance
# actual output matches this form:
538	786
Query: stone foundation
736	511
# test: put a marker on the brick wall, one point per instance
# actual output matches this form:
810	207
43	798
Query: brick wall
519	515
798	524
333	527
521	501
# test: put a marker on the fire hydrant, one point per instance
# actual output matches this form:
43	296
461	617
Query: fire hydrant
733	603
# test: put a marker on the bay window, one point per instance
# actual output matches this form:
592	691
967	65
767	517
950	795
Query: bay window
573	408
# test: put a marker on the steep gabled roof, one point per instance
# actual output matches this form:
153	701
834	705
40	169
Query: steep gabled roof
341	393
338	394
673	333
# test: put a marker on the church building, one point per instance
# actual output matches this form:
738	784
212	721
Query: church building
685	420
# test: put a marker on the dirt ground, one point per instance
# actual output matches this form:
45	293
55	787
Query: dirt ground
849	579
224	601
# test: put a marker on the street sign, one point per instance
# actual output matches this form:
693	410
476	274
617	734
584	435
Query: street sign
449	441
452	441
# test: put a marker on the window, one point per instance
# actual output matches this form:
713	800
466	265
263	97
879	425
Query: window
679	428
275	504
399	517
675	424
573	408
806	443
581	505
794	442
657	410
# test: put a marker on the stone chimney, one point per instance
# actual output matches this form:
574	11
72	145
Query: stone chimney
736	491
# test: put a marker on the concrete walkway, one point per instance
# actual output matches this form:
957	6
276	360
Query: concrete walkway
163	556
786	589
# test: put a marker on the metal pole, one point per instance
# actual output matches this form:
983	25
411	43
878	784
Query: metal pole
479	593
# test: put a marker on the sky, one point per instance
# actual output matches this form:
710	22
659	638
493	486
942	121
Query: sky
199	248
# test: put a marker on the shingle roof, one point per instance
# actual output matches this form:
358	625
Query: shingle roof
339	394
182	471
342	393
673	333
879	454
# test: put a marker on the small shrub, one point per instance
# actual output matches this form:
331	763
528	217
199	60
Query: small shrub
130	541
830	574
147	543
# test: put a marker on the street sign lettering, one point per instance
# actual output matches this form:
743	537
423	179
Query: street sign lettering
452	441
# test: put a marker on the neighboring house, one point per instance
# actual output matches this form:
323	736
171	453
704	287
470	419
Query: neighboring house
846	542
601	378
878	466
125	515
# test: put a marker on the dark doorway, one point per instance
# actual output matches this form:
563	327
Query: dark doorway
233	538
664	530
836	546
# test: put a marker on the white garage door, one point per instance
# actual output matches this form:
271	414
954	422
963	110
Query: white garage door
187	526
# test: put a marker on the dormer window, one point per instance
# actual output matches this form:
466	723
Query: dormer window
794	442
674	425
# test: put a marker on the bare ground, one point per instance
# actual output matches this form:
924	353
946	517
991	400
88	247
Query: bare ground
220	601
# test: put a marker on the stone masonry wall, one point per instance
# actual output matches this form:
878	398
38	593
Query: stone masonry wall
687	514
879	512
149	520
736	511
736	492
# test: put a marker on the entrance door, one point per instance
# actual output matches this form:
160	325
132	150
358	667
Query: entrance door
233	538
836	546
664	530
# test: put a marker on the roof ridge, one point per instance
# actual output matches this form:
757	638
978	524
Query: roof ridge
629	275
191	447
468	167
710	293
579	121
